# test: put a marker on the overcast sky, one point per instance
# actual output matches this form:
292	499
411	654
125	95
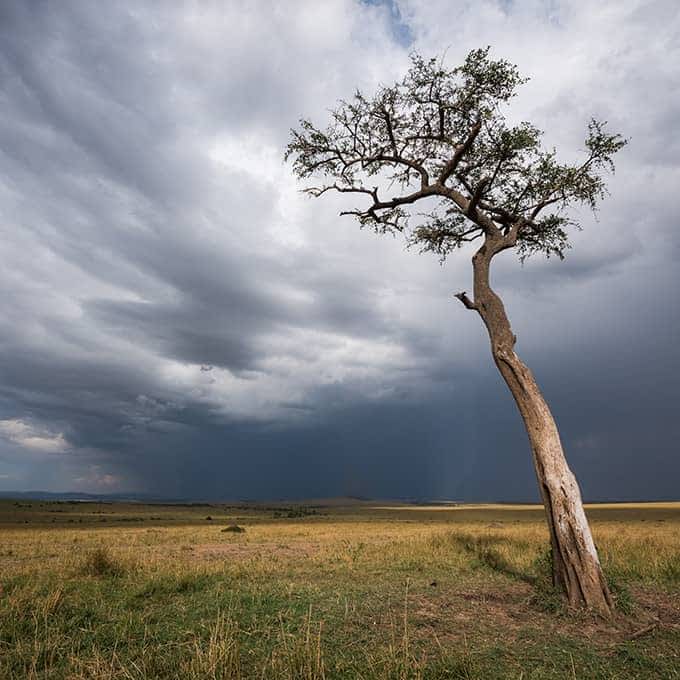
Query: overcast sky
177	319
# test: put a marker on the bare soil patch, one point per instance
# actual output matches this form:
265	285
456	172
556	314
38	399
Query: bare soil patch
508	614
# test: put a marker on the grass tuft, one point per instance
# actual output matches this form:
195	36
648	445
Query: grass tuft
546	597
218	657
297	656
623	598
102	562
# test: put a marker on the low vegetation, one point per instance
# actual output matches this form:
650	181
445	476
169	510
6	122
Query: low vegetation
359	592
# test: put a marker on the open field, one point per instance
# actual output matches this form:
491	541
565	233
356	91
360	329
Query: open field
94	590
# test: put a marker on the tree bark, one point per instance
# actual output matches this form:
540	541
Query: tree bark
576	566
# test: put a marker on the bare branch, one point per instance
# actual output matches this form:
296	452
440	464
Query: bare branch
400	160
318	191
469	304
372	211
390	131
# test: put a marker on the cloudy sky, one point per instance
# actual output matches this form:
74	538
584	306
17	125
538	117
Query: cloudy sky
177	319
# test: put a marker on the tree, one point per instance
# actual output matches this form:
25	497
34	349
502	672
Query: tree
440	137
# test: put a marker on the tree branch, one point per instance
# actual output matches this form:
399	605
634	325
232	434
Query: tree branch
511	236
390	131
460	152
471	211
469	304
389	205
318	191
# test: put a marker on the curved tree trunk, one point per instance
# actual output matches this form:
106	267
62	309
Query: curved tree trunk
576	566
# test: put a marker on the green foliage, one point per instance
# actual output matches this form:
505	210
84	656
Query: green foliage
441	134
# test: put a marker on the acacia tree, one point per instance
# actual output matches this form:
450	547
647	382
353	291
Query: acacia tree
440	137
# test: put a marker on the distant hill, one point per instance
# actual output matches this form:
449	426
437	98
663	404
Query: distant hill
338	501
82	496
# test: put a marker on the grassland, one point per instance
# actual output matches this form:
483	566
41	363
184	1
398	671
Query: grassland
358	591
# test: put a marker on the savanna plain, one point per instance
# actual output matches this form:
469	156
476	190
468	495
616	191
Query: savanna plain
327	590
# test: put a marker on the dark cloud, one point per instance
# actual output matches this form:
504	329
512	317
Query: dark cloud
177	319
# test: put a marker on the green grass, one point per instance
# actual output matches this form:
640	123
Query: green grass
356	592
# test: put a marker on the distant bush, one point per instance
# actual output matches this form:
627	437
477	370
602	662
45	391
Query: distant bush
295	513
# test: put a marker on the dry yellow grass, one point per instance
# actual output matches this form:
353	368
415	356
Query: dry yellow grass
393	591
643	544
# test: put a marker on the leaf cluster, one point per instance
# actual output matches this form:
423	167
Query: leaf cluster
441	134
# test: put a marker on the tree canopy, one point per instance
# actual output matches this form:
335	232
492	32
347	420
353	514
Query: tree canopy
442	134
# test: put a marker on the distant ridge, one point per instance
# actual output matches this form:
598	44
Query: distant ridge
132	497
82	496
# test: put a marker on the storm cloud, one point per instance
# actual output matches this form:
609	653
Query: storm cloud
176	318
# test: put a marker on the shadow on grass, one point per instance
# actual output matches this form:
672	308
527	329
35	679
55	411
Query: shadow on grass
545	596
485	550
